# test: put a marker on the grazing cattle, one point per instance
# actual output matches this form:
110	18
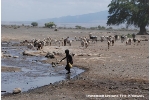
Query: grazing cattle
48	41
128	42
69	42
116	37
25	41
86	44
93	38
112	41
62	42
108	38
40	46
134	40
82	43
108	42
75	38
55	41
30	46
113	38
102	38
88	41
35	43
122	38
59	42
139	41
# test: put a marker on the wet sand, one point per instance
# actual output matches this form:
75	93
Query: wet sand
121	70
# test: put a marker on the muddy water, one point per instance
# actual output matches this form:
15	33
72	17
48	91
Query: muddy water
33	72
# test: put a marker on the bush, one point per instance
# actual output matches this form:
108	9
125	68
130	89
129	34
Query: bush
101	27
78	27
129	35
50	25
34	24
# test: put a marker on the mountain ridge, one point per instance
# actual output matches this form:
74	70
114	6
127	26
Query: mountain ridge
87	20
84	18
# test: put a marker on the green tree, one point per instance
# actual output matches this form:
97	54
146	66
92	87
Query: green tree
78	27
101	27
50	25
130	12
34	24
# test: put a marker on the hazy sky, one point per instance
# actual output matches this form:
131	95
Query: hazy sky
30	10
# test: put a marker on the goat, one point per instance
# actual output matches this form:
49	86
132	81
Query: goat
128	42
112	41
93	38
30	45
108	42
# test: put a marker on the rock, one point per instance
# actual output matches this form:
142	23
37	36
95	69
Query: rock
6	55
31	53
50	55
25	53
89	54
17	90
15	56
80	55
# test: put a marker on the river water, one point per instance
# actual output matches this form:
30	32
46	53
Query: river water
34	73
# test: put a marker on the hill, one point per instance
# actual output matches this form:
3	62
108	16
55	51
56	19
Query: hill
85	18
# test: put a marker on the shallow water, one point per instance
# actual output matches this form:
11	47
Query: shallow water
33	72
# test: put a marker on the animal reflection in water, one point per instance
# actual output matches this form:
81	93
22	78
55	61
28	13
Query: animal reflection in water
60	71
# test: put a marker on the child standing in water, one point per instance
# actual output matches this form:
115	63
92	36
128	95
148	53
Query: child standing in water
69	61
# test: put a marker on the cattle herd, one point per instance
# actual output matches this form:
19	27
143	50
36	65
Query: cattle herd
85	41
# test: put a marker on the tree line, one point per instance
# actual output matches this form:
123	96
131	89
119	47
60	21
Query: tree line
48	25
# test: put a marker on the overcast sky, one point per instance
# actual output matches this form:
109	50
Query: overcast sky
30	10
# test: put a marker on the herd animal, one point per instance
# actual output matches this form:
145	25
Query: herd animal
92	37
85	41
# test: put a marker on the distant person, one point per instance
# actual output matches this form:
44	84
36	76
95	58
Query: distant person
65	41
69	61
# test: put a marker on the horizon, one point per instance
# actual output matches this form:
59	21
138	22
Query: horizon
72	25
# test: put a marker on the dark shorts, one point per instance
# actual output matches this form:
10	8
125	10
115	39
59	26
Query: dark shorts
67	67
